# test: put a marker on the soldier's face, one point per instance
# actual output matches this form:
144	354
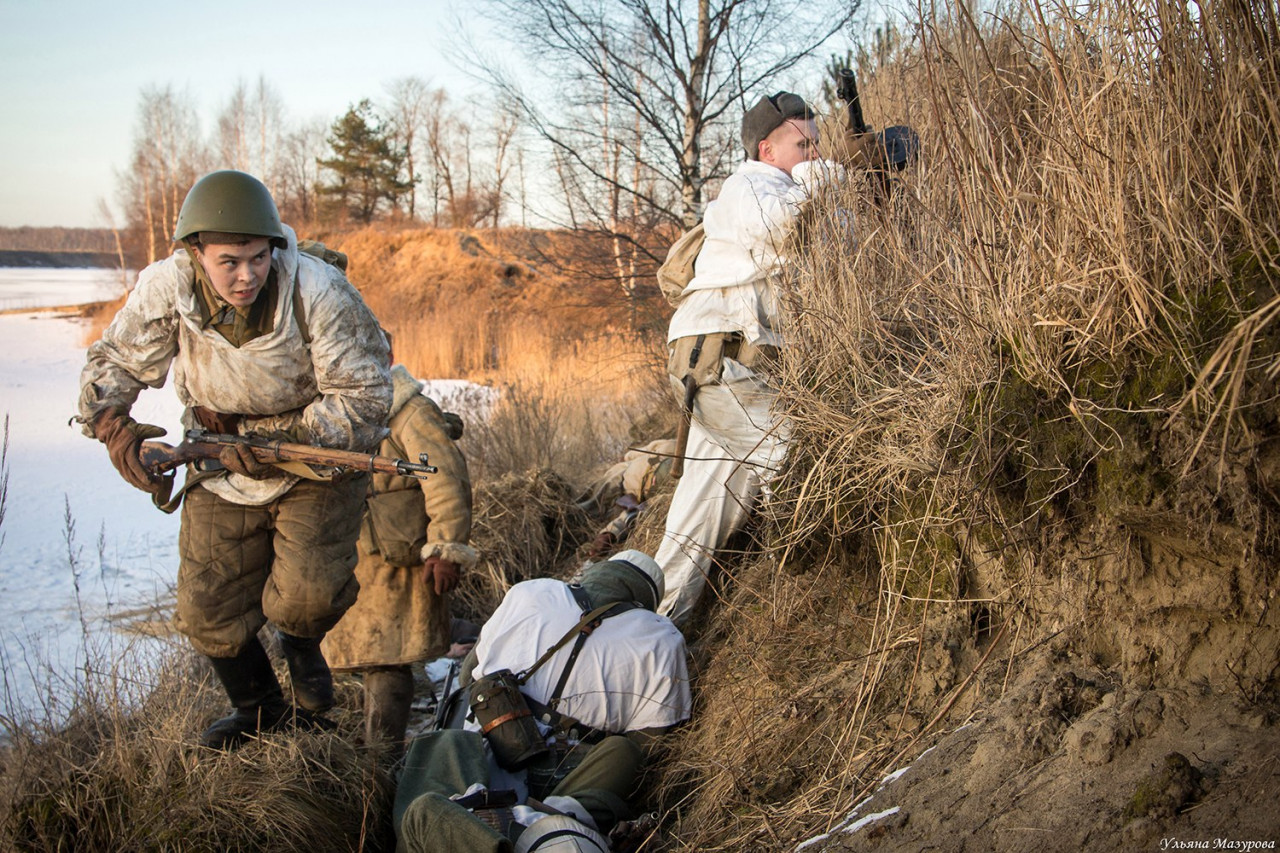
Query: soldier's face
792	142
239	270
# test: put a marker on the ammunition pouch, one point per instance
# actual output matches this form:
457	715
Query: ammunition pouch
395	525
563	757
698	356
219	422
701	356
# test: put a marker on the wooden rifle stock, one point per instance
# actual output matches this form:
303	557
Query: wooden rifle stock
682	431
198	444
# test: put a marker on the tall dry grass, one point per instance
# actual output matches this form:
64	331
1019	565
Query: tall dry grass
1066	311
122	772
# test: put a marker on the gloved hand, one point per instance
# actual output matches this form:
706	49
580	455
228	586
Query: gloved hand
239	459
123	436
440	572
601	545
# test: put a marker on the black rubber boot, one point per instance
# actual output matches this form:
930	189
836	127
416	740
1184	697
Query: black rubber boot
388	694
308	671
255	693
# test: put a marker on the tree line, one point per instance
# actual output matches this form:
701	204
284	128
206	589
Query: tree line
618	118
29	238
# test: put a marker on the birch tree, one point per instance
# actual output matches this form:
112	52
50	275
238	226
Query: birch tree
251	132
168	156
411	103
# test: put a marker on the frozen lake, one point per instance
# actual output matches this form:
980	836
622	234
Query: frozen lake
78	546
38	287
117	552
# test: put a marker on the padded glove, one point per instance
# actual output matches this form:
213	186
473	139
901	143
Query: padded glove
239	459
123	437
440	572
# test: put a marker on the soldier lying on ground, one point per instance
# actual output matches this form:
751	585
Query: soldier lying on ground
626	485
603	678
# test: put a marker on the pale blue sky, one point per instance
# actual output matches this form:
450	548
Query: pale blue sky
71	72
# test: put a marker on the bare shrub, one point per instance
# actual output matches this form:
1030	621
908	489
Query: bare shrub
526	526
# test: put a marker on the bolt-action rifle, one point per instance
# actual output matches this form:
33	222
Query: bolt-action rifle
198	444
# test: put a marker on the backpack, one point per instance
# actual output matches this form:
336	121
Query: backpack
677	270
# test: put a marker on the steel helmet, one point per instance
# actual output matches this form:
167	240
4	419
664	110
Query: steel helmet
560	834
647	566
230	202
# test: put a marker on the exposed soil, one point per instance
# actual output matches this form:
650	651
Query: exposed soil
1070	760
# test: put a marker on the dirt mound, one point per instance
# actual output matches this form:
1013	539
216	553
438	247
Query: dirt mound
1073	760
561	275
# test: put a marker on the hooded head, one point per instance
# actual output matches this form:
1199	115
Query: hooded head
626	576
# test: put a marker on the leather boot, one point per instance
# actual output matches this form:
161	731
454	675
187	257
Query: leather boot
308	671
388	694
255	694
259	702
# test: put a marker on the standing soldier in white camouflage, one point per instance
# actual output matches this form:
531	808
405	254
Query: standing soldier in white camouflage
262	340
725	339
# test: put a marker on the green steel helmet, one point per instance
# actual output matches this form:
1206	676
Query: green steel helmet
230	202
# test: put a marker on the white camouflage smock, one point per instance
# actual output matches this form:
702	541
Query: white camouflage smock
736	440
333	390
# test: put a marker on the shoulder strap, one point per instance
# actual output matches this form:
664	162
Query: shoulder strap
583	629
299	316
584	601
321	252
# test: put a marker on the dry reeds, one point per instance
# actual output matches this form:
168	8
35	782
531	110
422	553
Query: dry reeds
124	773
1090	239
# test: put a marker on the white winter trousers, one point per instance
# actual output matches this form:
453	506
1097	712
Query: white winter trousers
736	444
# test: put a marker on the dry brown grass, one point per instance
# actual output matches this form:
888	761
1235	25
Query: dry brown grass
123	772
1076	282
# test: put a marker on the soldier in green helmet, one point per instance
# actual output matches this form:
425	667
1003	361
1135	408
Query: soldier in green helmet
260	339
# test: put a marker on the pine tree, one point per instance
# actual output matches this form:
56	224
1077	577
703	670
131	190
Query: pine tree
365	168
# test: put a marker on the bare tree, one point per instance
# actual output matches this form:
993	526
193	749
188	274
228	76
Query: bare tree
251	131
460	199
104	212
411	103
296	185
168	156
682	68
505	125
